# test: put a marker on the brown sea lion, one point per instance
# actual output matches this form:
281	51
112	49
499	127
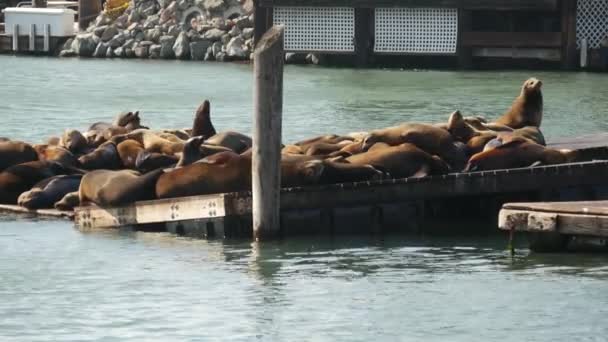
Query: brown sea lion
191	152
528	133
125	118
128	151
401	161
68	202
115	188
47	192
202	125
235	141
57	154
324	149
53	141
106	157
20	178
518	153
153	143
16	152
431	139
74	141
527	109
179	133
327	139
292	149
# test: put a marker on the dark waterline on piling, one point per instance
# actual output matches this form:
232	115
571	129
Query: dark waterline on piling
58	283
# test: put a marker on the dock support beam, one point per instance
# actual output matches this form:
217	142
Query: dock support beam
47	38
33	37
465	53
364	36
568	11
15	37
267	120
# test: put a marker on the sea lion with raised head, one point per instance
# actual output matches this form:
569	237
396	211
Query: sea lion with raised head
74	142
191	152
47	192
202	125
57	154
527	109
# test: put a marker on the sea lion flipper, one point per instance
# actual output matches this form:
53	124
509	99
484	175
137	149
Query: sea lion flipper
424	171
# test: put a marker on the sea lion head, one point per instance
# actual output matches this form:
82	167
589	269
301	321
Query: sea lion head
370	140
202	121
74	141
532	85
191	151
32	199
68	202
125	118
312	171
459	129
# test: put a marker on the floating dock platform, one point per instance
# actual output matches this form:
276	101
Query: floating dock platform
38	212
559	226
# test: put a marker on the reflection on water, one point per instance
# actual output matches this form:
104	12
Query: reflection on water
62	284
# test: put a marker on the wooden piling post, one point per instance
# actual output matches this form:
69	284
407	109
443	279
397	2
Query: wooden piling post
15	38
267	119
33	37
47	38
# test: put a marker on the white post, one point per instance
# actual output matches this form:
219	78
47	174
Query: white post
267	120
47	37
16	37
584	53
33	37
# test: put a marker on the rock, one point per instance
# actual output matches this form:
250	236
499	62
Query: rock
101	50
214	5
235	48
109	33
174	31
141	51
135	16
247	33
129	44
216	48
68	44
110	53
154	51
102	19
214	34
183	4
219	23
168	13
199	49
151	21
117	41
134	27
121	22
85	44
146	43
166	47
235	31
129	53
68	53
209	56
315	59
221	57
98	31
119	52
181	48
225	39
153	34
295	58
150	10
164	3
243	23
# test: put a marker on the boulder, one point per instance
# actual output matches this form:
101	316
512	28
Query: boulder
168	13
235	31
102	19
98	31
221	57
129	53
166	47
209	56
140	36
135	16
247	33
68	44
154	51
109	33
68	53
214	34
235	49
214	5
295	58
243	22
199	49
216	48
225	39
119	52
219	23
184	4
110	52
101	50
85	44
181	48
117	41
174	31
122	21
151	21
141	51
129	44
153	34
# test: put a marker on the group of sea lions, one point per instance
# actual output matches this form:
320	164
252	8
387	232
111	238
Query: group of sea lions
117	163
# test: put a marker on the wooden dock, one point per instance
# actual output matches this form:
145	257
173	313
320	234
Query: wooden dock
40	212
559	226
366	207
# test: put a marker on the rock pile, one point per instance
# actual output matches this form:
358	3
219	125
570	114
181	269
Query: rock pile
220	30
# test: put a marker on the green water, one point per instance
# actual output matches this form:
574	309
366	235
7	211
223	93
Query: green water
61	284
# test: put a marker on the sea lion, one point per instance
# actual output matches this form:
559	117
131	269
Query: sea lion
106	157
191	152
125	118
53	141
202	125
528	133
68	202
153	143
221	172
179	133
527	109
149	161
74	141
352	148
518	153
431	139
235	141
401	161
292	149
16	152
324	149
47	192
128	151
57	154
20	178
115	188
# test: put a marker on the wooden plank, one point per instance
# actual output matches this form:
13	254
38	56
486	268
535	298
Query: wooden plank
512	39
466	4
583	207
531	53
39	212
565	224
268	61
580	142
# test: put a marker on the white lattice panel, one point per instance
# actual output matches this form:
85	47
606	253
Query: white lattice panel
317	28
591	22
416	30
